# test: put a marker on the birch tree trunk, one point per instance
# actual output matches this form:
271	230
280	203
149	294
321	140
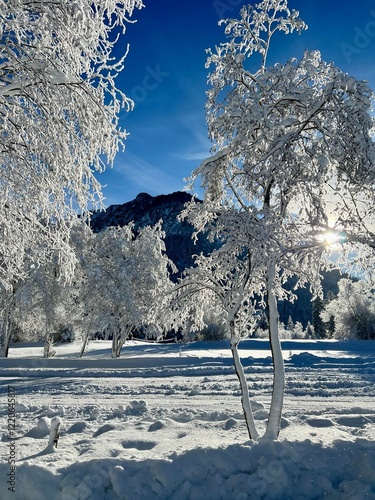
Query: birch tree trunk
120	341
274	419
7	326
116	346
6	333
245	398
8	337
84	343
48	351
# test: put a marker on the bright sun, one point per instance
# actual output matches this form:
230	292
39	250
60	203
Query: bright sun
332	237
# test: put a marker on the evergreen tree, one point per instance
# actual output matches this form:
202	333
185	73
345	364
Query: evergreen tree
290	324
309	331
318	324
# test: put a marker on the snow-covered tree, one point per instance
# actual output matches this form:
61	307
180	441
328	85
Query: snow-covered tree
125	277
309	330
43	306
59	120
353	310
290	324
292	169
216	327
298	331
223	279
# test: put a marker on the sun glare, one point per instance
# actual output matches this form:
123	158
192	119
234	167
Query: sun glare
330	238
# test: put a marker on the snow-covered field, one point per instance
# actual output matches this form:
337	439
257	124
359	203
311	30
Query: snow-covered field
165	421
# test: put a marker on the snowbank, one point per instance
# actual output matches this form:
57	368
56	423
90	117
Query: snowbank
266	470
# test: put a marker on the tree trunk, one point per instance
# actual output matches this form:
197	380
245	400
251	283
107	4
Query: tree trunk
274	419
49	352
84	343
119	341
245	398
116	343
6	333
9	337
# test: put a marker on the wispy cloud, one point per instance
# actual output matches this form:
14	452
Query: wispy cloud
147	177
198	156
198	146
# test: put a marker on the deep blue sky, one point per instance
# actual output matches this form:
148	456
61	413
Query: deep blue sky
165	75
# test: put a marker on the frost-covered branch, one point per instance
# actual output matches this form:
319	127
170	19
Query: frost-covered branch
293	159
59	108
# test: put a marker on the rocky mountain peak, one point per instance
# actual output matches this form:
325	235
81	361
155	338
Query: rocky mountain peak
147	210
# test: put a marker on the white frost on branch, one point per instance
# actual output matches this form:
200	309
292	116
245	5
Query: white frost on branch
293	158
59	118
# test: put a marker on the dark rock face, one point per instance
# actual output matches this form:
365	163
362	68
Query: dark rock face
146	210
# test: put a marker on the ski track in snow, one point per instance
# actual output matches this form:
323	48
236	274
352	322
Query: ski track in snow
165	421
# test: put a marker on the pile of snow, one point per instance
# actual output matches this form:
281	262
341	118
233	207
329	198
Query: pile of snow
266	470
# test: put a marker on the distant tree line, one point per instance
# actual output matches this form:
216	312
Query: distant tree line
121	289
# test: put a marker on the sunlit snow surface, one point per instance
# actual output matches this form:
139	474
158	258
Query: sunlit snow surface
165	421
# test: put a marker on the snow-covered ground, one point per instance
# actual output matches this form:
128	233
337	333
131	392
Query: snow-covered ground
165	421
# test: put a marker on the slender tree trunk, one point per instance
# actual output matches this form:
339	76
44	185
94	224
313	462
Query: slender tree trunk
7	321
84	343
115	339
274	419
245	398
120	343
9	337
49	352
123	337
116	342
6	332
